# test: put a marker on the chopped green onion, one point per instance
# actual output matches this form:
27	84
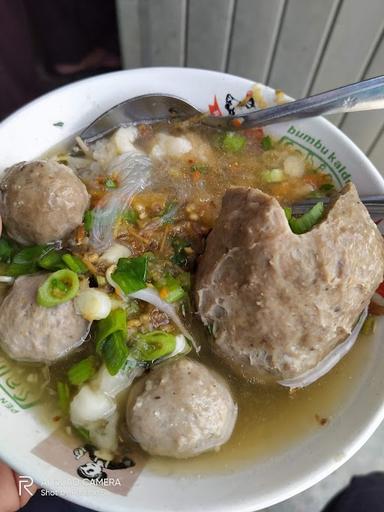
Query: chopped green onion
266	143
60	124
131	274
26	261
7	249
180	257
116	321
75	263
130	216
59	287
203	168
51	260
233	142
82	371
63	396
154	345
16	270
82	432
31	254
110	183
288	212
306	222
272	176
326	187
88	220
115	352
170	289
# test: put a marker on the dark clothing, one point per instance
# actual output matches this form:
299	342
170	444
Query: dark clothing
363	494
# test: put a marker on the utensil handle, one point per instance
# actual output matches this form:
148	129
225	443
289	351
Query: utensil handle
374	204
365	95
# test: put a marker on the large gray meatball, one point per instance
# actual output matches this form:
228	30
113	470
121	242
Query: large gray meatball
29	332
279	302
181	409
41	201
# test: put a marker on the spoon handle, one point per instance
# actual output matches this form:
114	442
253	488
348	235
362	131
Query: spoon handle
365	95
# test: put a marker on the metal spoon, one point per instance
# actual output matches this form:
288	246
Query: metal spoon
149	108
374	204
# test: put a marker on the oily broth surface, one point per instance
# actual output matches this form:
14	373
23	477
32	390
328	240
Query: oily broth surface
270	418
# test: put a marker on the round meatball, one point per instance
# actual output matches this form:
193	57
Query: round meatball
29	332
41	201
278	303
181	409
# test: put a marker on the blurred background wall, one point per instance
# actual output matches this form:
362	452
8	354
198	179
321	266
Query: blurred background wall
300	46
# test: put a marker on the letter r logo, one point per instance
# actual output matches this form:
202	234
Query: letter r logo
25	482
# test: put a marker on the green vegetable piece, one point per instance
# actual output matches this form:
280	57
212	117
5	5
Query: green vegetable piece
170	289
180	257
51	260
203	168
82	432
116	321
26	261
273	176
88	220
326	187
82	371
130	216
115	352
266	143
7	249
75	263
131	274
308	220
31	254
154	345
288	212
110	183
59	287
60	124
63	396
233	142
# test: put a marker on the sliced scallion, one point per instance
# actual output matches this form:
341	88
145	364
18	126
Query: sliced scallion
170	289
59	287
131	274
116	321
153	345
63	396
115	352
233	142
305	223
82	371
75	263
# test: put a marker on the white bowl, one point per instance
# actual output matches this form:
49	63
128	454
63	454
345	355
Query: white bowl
30	132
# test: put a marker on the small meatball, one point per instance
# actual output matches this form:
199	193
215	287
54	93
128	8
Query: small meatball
29	332
279	303
181	409
41	201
